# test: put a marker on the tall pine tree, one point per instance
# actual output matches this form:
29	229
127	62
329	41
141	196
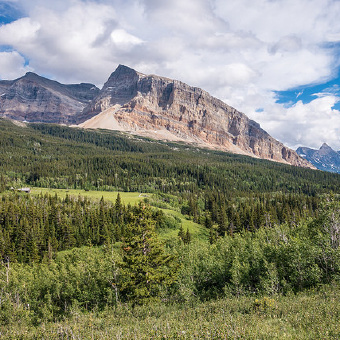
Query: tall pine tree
146	268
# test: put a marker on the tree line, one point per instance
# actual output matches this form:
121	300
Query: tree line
35	228
62	157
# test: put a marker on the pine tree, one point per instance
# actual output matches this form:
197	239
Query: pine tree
146	268
222	221
213	234
181	233
187	237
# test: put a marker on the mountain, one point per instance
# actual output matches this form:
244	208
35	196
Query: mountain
34	98
163	108
146	105
323	159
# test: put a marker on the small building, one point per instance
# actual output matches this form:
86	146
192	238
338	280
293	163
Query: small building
27	190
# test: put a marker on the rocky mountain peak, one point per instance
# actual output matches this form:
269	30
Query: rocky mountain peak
148	105
325	146
31	75
123	72
163	108
37	99
323	159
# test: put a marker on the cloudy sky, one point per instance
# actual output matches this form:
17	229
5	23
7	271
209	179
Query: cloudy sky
275	60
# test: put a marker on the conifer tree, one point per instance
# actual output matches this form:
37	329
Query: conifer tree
222	221
213	234
187	237
146	268
181	233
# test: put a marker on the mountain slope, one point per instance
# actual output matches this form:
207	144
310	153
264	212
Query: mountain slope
323	159
145	105
163	108
37	99
62	157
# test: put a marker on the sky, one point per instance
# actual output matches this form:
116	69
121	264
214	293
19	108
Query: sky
277	61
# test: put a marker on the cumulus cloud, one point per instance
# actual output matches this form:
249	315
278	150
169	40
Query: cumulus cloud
12	65
240	51
124	40
307	124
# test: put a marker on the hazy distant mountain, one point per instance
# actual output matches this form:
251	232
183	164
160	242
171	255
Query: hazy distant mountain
37	99
323	159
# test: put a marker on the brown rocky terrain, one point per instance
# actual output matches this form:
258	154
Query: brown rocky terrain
163	108
36	99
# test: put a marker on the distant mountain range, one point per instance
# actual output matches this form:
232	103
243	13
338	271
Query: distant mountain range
146	105
325	158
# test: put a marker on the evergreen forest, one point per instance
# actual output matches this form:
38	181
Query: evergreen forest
264	264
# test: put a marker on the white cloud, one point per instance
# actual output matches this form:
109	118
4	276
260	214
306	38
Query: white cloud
124	40
18	33
240	51
303	124
12	65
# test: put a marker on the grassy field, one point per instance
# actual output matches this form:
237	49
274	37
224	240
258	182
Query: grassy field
308	315
127	197
195	229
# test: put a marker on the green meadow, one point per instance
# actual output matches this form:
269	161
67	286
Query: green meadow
195	229
127	197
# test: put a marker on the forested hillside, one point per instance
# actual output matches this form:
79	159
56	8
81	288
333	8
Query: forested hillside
56	156
214	188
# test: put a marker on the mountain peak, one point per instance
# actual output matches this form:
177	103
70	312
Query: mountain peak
324	159
163	108
325	146
148	105
28	74
31	75
123	72
124	68
34	98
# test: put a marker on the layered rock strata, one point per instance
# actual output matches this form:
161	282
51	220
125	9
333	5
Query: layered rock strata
163	108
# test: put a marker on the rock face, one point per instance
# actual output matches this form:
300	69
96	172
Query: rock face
162	108
147	105
36	99
325	158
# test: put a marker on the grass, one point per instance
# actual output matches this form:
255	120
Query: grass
308	315
196	230
127	197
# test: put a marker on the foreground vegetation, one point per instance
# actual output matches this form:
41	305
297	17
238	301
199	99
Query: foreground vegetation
276	282
310	315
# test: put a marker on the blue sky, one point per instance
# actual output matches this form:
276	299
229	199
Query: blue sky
307	93
275	60
9	12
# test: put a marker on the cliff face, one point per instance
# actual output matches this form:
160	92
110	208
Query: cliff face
148	105
162	108
36	99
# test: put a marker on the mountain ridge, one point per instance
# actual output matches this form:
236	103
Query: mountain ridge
325	158
163	108
148	105
34	98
